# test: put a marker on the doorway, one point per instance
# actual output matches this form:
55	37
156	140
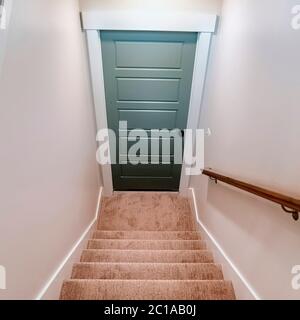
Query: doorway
148	78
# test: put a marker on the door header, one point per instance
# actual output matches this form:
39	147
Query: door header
149	21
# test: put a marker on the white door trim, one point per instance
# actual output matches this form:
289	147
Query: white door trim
200	67
149	21
97	77
93	22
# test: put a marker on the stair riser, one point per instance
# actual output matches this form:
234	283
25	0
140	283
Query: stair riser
146	290
146	235
146	245
149	271
147	256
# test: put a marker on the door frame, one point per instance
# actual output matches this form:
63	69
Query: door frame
95	21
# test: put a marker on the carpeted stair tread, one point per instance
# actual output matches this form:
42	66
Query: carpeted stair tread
148	271
150	235
147	290
147	244
148	256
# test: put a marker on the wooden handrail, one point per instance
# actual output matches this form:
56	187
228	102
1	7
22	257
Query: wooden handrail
288	204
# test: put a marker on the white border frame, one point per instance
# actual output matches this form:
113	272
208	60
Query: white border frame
203	24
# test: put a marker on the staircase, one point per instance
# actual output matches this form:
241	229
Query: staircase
158	255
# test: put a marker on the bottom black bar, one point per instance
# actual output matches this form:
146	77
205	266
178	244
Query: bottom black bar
149	309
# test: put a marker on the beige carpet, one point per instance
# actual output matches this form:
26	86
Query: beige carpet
146	248
146	211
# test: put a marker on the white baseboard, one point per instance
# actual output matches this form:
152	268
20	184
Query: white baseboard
52	288
243	289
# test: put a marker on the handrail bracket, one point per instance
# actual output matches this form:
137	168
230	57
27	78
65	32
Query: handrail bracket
214	179
294	213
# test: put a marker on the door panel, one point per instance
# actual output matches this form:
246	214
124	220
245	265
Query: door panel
151	55
165	146
149	119
143	89
159	171
148	78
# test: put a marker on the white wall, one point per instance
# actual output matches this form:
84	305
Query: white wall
209	6
49	178
252	107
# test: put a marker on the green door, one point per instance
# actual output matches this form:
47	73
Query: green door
148	77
